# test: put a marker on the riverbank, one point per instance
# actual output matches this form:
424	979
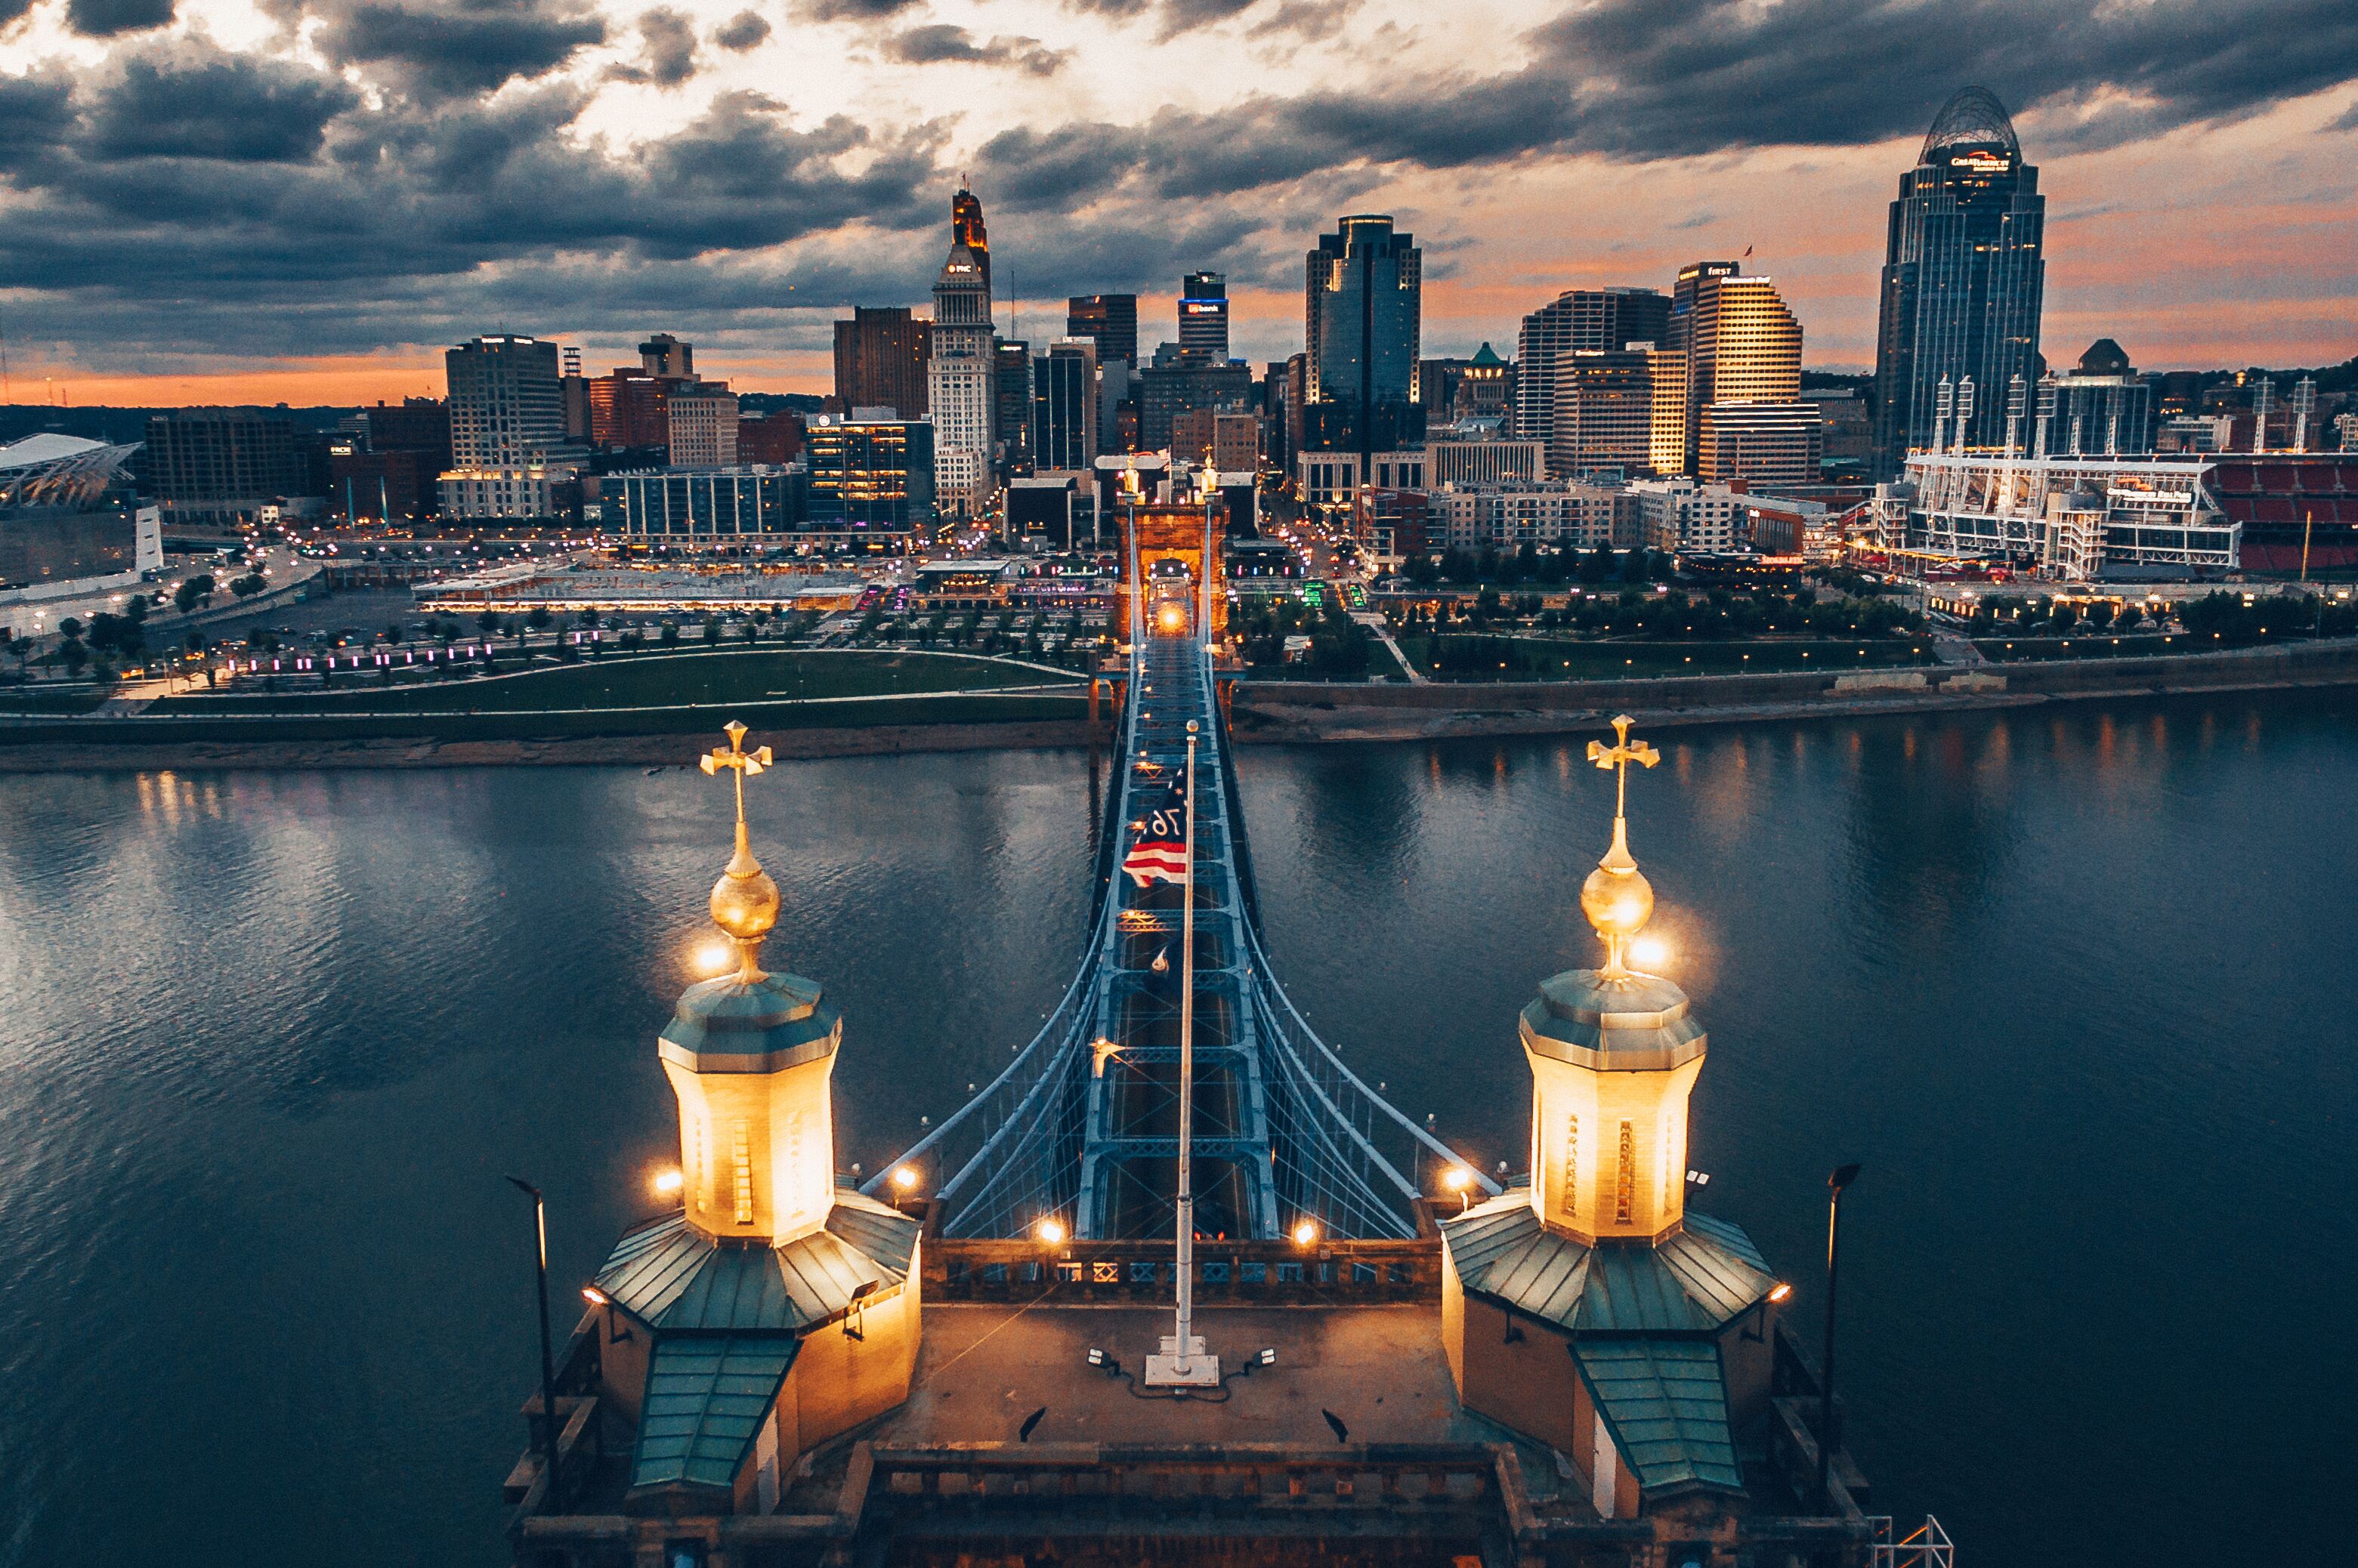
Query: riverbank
1264	713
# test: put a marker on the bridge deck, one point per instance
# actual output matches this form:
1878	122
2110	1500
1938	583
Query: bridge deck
1083	1127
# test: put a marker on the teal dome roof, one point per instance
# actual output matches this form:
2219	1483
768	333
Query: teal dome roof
1633	1024
731	1025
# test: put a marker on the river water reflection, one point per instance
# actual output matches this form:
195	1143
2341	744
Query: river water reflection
2075	986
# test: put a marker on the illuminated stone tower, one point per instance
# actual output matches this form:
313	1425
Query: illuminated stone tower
773	1310
752	1057
1614	1055
1669	1316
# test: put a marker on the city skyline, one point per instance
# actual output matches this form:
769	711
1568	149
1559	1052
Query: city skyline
602	189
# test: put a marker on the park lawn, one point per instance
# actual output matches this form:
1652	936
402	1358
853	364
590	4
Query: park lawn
31	699
651	680
1559	658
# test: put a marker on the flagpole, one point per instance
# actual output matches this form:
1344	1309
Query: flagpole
1186	1205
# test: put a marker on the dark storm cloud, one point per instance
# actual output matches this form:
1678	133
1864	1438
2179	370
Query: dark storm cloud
742	31
942	42
105	18
1172	18
459	47
1674	78
854	10
667	50
35	113
195	101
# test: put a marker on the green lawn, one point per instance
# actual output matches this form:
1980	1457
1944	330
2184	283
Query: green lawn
751	675
1557	658
41	697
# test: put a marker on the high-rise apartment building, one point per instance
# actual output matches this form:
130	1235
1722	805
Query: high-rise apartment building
1763	444
1963	276
962	391
1603	412
1109	321
1666	378
1580	320
506	406
879	358
1363	292
1065	406
1204	316
701	425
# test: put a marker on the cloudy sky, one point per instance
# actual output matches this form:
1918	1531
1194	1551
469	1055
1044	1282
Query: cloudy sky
225	199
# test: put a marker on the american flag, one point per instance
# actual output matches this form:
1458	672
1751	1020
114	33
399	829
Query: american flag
1160	853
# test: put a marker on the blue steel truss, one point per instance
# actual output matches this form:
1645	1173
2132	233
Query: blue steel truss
1082	1126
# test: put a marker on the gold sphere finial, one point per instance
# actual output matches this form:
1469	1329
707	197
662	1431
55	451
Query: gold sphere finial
744	900
1616	897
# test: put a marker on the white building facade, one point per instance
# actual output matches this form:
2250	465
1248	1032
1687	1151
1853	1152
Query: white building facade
960	387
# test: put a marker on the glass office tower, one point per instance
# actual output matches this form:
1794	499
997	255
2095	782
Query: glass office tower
1363	313
1962	277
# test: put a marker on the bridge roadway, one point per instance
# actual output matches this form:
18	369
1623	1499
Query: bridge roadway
1081	1128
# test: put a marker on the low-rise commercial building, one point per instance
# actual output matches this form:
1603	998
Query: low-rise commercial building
711	504
873	473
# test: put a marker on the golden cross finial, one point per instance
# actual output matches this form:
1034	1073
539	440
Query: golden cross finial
1616	897
741	761
744	900
1620	755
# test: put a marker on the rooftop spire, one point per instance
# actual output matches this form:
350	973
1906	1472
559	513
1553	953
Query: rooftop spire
1617	898
744	900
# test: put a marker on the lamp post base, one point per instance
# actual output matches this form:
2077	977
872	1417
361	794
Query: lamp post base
1173	1369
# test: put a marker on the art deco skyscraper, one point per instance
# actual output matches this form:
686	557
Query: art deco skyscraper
960	383
1963	274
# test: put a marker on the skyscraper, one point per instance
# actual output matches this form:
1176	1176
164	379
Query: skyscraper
1010	406
880	359
1065	405
506	406
1603	413
1204	315
960	378
1963	274
1580	320
1109	321
966	229
1741	345
1362	320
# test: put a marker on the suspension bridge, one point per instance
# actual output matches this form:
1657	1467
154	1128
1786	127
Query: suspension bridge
1082	1130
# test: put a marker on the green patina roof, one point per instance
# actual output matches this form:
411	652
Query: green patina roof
1666	1404
706	1399
1639	1023
1486	355
727	1319
1695	1282
1643	1320
675	1278
726	1025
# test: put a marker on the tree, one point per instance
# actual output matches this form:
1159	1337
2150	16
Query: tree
711	629
73	656
70	628
669	636
22	648
540	619
135	608
490	623
192	592
1634	566
249	584
393	632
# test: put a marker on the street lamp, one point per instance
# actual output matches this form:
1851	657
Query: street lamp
1843	1177
547	1363
1460	1180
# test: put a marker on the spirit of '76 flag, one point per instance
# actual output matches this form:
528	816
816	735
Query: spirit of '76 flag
1160	853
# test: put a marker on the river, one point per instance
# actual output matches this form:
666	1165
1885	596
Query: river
2074	985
